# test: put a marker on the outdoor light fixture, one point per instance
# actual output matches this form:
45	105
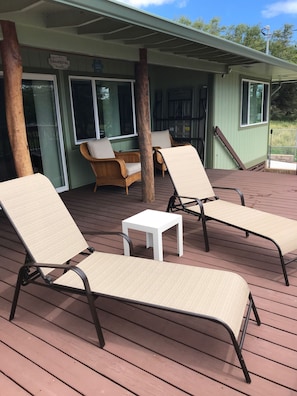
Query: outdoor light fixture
266	32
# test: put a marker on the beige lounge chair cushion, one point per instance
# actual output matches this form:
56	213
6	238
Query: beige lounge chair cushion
47	230
280	229
194	290
101	148
187	172
161	139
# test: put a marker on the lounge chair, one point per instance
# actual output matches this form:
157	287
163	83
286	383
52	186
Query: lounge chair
51	239
194	194
111	168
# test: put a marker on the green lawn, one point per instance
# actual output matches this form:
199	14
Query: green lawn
284	138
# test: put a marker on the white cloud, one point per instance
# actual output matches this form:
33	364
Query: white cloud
280	7
182	4
146	3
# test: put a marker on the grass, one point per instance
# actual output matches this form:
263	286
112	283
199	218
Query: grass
283	125
284	138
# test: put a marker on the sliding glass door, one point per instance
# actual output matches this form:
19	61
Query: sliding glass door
44	130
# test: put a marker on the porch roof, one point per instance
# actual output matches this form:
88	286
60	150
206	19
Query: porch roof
115	23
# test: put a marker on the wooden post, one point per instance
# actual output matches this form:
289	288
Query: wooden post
12	72
144	128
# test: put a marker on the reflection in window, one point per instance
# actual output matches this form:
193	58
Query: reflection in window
102	108
43	127
254	103
83	110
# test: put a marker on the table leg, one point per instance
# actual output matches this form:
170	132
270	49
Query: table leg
158	246
179	237
149	240
126	244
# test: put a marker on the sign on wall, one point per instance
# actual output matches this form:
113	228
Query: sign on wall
60	62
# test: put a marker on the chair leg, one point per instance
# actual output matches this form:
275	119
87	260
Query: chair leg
91	301
238	346
251	307
170	205
21	276
284	269
205	235
257	317
241	360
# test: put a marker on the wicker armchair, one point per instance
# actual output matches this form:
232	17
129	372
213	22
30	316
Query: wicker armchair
162	139
111	168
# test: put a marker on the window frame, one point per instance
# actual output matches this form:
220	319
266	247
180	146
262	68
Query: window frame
246	103
93	82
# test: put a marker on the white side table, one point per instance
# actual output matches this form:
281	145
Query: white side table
154	223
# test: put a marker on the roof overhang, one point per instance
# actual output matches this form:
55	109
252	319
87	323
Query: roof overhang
117	25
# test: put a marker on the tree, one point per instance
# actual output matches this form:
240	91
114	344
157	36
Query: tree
249	36
281	45
12	71
213	27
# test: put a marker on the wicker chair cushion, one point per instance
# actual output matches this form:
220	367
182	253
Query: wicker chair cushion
101	148
133	167
161	139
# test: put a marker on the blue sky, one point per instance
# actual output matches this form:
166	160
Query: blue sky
231	12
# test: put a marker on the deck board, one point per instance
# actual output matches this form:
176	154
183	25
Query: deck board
150	351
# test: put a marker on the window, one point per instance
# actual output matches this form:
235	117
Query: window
102	107
254	102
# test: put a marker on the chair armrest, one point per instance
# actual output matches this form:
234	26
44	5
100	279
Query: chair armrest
27	277
241	196
100	165
106	166
177	144
121	234
189	202
157	155
174	143
128	156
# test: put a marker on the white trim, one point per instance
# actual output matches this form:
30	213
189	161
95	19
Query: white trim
93	80
264	83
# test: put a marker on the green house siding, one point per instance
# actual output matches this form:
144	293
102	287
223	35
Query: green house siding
37	61
250	143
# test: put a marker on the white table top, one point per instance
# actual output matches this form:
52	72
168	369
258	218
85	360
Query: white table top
152	218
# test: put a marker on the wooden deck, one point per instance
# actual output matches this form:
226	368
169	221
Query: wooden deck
51	348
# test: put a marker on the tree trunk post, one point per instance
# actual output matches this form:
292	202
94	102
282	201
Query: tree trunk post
12	72
144	128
